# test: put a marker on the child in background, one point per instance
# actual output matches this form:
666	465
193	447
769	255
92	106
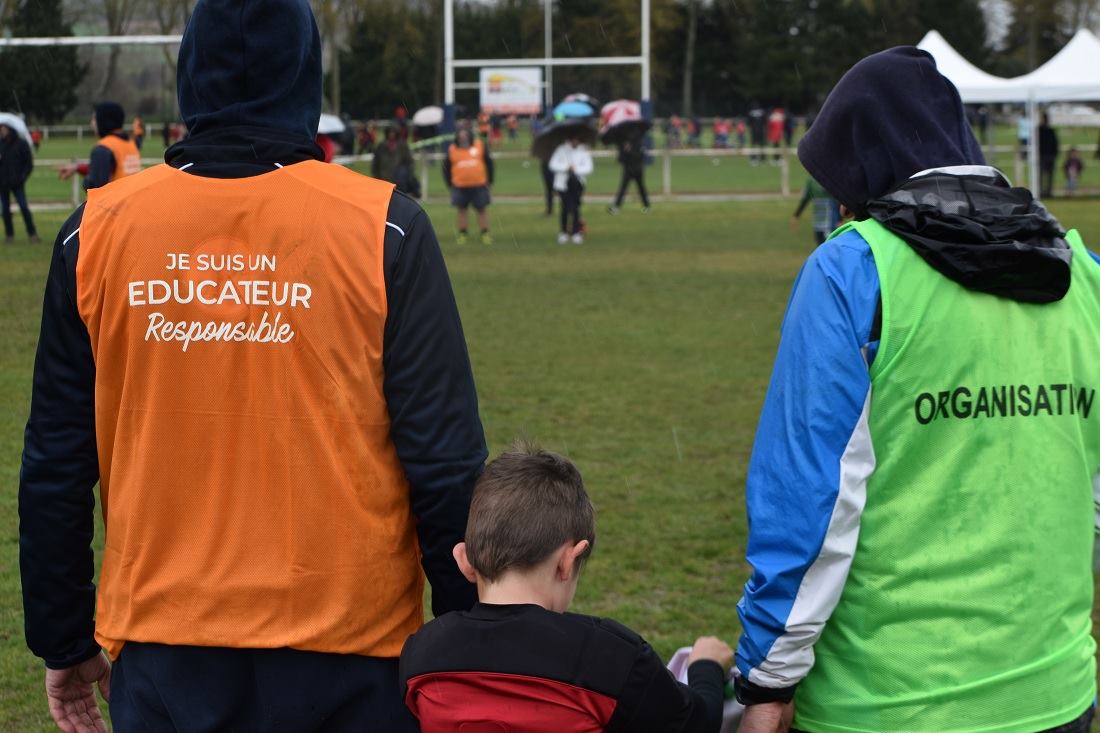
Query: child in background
518	661
1073	168
571	163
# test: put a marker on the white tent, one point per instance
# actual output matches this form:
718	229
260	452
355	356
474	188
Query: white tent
974	85
1073	74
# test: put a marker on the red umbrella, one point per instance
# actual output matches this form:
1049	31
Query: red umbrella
621	120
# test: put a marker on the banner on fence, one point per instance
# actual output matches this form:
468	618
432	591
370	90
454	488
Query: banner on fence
511	91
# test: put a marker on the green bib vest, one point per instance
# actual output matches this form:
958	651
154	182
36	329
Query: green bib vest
968	605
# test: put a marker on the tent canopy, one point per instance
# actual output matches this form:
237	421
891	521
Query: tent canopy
974	85
1072	75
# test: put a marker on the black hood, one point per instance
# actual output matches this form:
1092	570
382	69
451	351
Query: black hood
253	63
973	227
891	116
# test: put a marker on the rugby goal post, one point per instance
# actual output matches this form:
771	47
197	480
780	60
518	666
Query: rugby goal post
547	62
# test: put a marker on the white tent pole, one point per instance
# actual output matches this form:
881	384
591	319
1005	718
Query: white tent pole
1033	146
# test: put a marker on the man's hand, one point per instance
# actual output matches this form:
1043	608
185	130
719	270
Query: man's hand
769	717
714	649
71	694
794	223
66	171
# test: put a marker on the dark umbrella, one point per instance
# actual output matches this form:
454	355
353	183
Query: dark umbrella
632	130
551	137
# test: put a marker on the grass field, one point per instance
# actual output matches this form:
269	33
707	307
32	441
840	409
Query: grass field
643	355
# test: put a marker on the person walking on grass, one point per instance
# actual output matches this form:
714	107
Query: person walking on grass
826	214
16	164
468	173
632	160
114	156
920	493
571	164
1073	168
259	358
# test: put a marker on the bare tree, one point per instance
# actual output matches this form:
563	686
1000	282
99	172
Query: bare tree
118	14
171	17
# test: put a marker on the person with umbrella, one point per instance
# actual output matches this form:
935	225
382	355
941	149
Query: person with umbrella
16	164
571	163
622	125
468	172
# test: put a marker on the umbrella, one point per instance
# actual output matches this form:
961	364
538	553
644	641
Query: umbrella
568	110
17	124
428	117
578	97
554	135
622	120
330	125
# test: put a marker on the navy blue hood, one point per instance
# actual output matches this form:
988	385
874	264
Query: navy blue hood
890	117
253	63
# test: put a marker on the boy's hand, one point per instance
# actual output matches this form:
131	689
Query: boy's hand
769	717
714	649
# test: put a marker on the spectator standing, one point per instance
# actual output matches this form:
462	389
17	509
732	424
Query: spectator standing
137	131
16	164
740	128
393	160
1073	169
571	164
277	489
826	213
468	173
632	159
1048	156
777	123
758	123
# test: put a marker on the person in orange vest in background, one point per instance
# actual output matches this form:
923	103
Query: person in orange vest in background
468	172
114	155
262	364
777	121
484	124
137	131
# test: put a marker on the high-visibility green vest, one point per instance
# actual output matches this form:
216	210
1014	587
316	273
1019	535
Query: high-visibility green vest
968	604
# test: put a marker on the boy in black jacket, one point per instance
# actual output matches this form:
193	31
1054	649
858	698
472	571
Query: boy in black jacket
518	660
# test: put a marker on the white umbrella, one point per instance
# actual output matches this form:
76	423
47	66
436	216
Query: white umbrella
330	125
428	117
17	124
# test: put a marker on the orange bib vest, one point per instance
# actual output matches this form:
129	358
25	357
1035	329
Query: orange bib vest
251	492
468	169
127	156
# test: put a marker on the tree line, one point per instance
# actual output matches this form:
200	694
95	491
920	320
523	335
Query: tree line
709	57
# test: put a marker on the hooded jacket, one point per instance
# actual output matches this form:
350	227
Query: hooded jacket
243	124
16	162
911	163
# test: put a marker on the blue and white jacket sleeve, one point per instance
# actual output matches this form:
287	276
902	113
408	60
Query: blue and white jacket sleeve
810	465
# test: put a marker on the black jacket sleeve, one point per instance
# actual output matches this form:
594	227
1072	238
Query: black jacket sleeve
100	167
26	162
654	702
429	389
489	164
59	472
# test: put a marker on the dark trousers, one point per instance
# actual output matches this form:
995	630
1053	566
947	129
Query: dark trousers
5	206
181	689
571	207
639	178
548	186
1078	725
1046	177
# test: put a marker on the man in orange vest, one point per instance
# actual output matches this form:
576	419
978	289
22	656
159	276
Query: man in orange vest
468	172
114	156
259	358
